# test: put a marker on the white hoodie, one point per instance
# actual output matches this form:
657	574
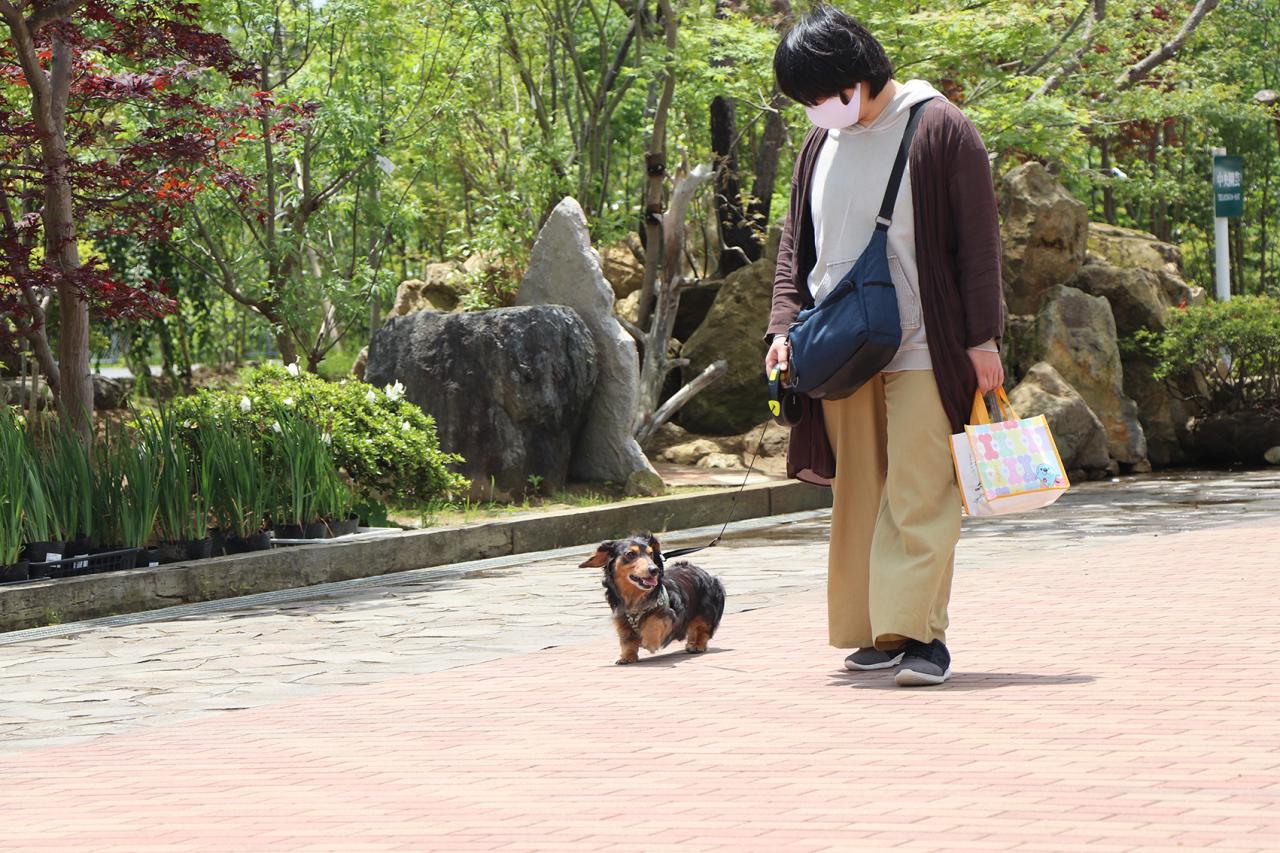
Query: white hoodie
849	181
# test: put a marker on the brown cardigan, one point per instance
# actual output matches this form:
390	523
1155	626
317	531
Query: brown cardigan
957	252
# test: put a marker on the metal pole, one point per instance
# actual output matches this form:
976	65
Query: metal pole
1221	250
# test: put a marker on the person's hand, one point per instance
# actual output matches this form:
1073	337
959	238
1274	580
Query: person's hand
779	352
989	368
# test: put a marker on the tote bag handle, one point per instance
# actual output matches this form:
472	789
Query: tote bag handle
979	413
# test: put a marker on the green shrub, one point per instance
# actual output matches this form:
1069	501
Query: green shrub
1230	351
387	446
13	487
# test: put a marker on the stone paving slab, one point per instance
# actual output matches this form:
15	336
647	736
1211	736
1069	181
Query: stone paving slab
1114	692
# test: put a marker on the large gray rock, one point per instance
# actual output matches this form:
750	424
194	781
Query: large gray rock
439	289
1236	437
110	394
565	270
29	393
1136	296
1045	235
1079	435
1162	410
1076	333
1128	248
623	267
736	401
509	388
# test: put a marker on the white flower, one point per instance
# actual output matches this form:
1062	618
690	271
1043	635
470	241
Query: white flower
190	425
395	392
245	404
404	426
293	369
372	396
326	438
276	427
288	401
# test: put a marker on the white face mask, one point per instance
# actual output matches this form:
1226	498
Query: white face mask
834	113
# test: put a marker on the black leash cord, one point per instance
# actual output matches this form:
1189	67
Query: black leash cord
680	552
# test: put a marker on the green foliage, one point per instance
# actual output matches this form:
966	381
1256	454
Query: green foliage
241	494
1231	349
186	479
13	486
386	445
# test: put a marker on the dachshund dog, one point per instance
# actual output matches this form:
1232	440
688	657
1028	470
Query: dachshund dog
652	603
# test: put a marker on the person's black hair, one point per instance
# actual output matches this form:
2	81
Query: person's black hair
826	52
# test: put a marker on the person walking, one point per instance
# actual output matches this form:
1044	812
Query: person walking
885	450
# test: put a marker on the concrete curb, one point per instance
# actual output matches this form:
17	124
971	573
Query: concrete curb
47	602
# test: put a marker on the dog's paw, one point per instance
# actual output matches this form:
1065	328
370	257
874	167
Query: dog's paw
625	661
695	650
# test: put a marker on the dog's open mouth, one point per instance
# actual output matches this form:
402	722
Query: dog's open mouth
644	583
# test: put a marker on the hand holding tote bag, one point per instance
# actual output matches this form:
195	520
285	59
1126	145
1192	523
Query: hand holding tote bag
1006	467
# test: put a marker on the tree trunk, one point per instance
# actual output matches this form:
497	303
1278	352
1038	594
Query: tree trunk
738	245
655	161
768	153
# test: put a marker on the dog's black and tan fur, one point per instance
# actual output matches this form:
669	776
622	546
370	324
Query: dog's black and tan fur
654	604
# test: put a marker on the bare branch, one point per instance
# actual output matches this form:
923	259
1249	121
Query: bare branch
1139	70
677	400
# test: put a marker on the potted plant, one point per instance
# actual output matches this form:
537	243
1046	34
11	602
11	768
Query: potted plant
139	462
241	491
13	497
66	471
42	527
182	518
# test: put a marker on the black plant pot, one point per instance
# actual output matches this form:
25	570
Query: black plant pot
15	573
317	530
345	527
199	549
147	558
40	552
217	541
172	552
256	542
79	547
290	531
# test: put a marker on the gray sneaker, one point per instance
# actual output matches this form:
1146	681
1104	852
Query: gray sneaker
924	664
872	658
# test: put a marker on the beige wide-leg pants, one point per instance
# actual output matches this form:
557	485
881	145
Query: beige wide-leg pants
896	517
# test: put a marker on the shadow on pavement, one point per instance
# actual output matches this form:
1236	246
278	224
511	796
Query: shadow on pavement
960	681
673	658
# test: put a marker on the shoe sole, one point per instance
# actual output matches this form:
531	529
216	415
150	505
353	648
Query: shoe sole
861	667
911	678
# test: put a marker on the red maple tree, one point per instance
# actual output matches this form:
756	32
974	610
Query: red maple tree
113	116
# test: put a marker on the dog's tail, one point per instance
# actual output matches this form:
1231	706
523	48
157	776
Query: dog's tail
715	603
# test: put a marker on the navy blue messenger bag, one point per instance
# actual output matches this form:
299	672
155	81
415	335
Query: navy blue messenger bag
855	332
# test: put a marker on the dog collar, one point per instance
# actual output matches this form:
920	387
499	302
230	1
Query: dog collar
662	600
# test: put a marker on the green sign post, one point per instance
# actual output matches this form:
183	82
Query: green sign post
1228	186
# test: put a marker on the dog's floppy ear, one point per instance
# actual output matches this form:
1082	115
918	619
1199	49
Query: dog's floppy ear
600	557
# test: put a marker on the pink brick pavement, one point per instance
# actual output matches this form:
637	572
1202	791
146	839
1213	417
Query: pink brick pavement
1120	695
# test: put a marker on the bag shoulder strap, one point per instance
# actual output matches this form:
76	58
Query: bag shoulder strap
899	167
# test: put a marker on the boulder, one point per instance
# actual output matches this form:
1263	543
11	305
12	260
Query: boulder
1162	412
623	267
440	289
1080	436
509	388
1044	233
732	331
1076	333
110	394
1136	295
565	270
628	308
695	304
29	393
1235	437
